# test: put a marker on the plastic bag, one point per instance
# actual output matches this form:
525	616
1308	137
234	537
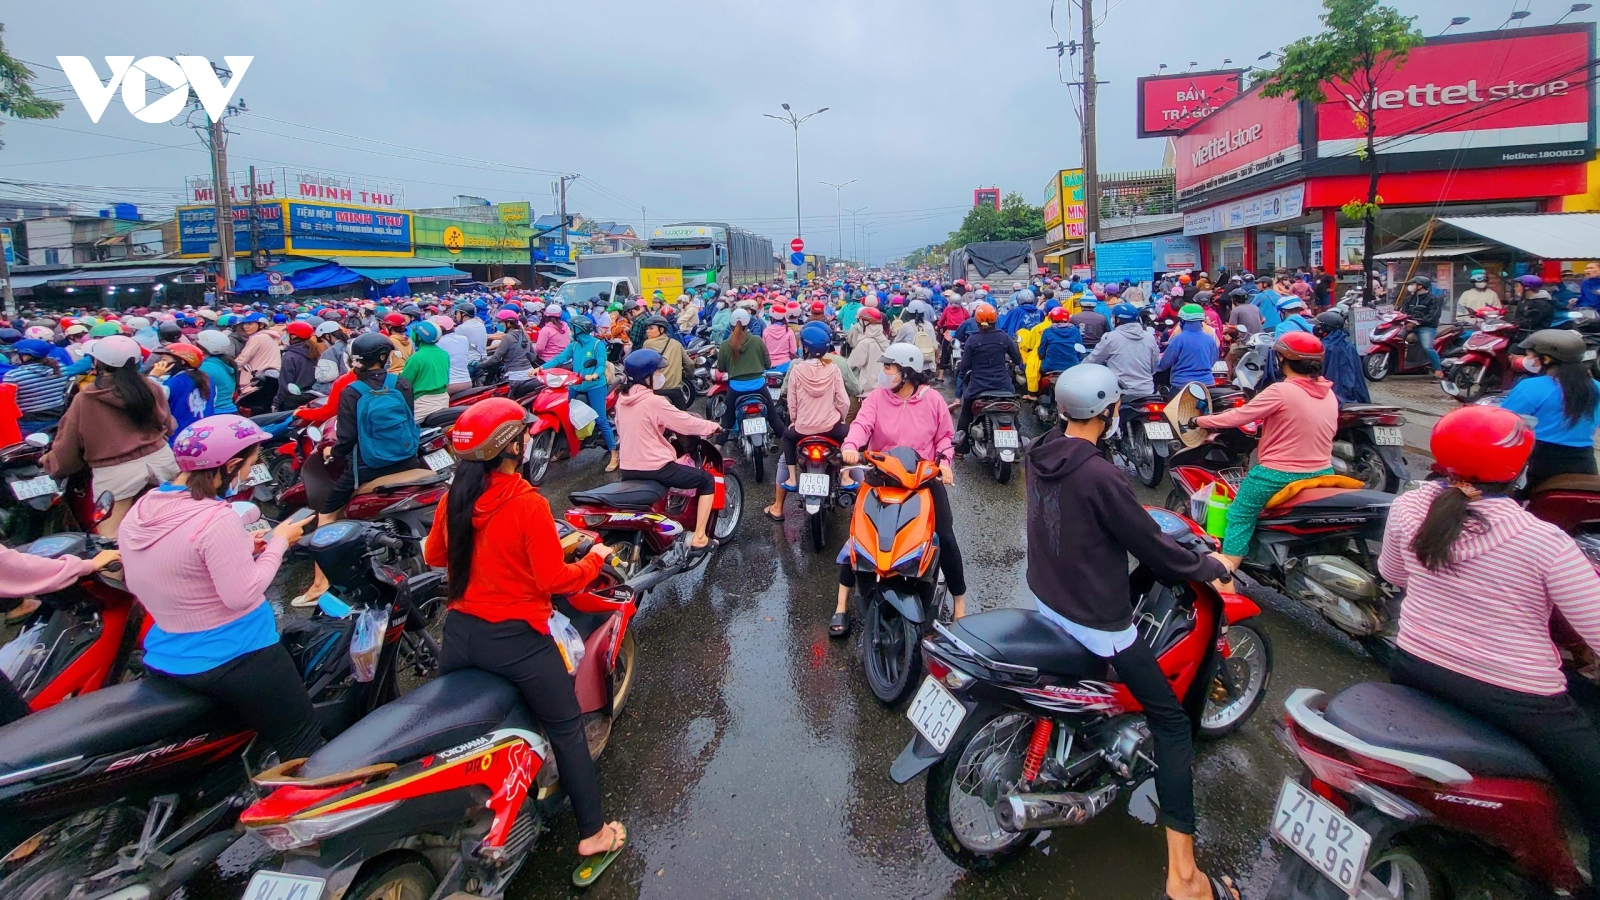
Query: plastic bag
366	643
583	417
24	652
568	641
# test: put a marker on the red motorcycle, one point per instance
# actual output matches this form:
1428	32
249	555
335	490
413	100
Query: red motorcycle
1395	349
445	790
481	392
1025	730
547	396
1485	364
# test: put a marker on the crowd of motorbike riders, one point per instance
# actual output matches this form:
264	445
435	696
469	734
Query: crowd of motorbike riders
156	405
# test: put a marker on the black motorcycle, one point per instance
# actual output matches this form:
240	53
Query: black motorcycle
1143	439
994	436
819	485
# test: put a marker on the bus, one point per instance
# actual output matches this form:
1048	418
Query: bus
715	252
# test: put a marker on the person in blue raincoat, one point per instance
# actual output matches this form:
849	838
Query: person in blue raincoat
1341	363
1024	315
1192	352
585	355
1058	344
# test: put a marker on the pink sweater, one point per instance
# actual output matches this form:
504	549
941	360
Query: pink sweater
781	343
189	561
22	575
886	420
643	418
552	340
816	396
1487	614
1298	419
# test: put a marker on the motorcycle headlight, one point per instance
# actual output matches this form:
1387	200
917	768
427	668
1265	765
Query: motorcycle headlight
303	832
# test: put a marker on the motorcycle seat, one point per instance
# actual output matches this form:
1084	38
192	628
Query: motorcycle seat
1402	718
525	387
442	417
1368	408
408	478
1308	490
266	420
118	717
1588	484
622	495
1024	637
996	395
450	710
470	393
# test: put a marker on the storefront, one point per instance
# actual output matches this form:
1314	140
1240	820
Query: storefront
487	250
1064	212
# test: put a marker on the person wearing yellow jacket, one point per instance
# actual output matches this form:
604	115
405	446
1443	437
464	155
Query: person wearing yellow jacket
1028	346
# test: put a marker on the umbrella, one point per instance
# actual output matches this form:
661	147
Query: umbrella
507	281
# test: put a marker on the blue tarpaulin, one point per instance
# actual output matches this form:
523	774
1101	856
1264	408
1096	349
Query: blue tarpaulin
327	276
400	288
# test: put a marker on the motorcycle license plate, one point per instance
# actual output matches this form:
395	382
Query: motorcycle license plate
1388	436
39	486
259	474
438	460
936	714
755	425
278	886
1158	431
1322	835
813	484
1006	438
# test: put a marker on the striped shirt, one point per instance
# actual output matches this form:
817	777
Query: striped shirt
39	387
1487	614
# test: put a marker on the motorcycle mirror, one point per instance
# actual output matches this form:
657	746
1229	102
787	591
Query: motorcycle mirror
37	439
102	506
1080	348
247	512
315	434
1196	391
294	389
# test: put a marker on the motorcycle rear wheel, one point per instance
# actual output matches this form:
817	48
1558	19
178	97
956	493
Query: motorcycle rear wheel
1469	382
983	761
891	652
539	456
624	674
1406	875
819	529
1147	465
50	873
732	508
402	879
1378	366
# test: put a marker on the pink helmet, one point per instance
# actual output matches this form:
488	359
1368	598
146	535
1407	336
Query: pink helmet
212	441
445	323
506	315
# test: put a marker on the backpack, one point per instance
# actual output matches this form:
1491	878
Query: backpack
386	431
327	370
924	341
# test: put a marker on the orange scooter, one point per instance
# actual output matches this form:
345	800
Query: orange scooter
895	554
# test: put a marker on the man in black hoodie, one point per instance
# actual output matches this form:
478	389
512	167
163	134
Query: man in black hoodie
1083	522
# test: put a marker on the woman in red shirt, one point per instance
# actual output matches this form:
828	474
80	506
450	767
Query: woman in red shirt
494	535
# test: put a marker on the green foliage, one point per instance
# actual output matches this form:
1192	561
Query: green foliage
926	256
1360	43
1359	209
1014	221
17	98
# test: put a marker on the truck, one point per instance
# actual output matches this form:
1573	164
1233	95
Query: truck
715	252
604	277
999	264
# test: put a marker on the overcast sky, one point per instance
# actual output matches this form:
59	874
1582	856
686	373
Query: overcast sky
656	104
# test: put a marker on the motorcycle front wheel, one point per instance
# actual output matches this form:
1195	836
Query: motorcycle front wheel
983	762
1378	366
1146	463
538	463
1241	682
732	507
891	652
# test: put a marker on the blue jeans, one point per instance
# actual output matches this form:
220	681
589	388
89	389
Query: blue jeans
596	398
1425	336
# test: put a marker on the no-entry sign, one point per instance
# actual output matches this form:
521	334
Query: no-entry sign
797	245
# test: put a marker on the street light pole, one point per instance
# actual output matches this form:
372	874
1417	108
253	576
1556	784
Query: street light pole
794	121
855	236
838	215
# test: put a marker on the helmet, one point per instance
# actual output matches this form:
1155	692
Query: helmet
1124	312
1532	282
582	325
1422	280
1086	390
985	314
326	328
870	314
1290	302
301	330
641	364
74	330
1298	345
816	339
1183	279
1481	444
739	317
487	428
213	342
818	308
906	356
464	307
614	306
1113	289
506	315
412	310
1478	275
395	320
1191	312
32	347
445	323
655	321
1559	345
167	331
188	354
1333	320
208	443
919	309
371	348
425	332
1060	314
553	309
116	351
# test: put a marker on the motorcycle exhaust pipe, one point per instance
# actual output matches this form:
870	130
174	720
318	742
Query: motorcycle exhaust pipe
1031	812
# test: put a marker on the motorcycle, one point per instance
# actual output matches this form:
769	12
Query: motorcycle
547	396
820	485
895	555
1044	402
412	492
703	359
34	503
1025	730
480	392
648	525
129	790
1485	363
446	789
1396	350
757	414
993	435
1368	446
1142	442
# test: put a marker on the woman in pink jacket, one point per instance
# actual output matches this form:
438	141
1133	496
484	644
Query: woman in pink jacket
23	575
554	335
643	419
905	411
779	337
818	403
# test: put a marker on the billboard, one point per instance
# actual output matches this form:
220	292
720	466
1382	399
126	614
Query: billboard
469	241
197	228
1073	209
297	184
348	230
1488	99
987	197
1169	105
1243	139
1052	201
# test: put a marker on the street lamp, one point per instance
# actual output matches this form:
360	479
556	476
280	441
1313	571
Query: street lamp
1269	53
838	215
1458	20
794	121
1576	7
853	235
1517	16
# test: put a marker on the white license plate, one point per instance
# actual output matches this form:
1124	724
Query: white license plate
1158	431
936	714
439	460
1388	437
813	484
259	474
278	886
29	488
1006	438
755	425
1322	835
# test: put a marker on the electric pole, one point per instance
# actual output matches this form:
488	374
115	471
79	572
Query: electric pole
855	236
838	215
563	190
255	228
224	207
1091	173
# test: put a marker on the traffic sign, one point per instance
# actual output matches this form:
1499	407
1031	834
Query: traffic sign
797	259
274	278
797	245
282	289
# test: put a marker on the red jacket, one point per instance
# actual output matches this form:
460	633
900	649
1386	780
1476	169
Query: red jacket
517	561
324	411
952	317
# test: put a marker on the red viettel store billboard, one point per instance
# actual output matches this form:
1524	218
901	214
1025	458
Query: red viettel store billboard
1492	99
1247	137
1171	104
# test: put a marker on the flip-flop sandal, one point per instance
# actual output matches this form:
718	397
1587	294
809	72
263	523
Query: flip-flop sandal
592	867
839	625
768	513
1222	888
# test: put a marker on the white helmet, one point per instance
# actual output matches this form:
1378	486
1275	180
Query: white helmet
553	309
1086	390
115	351
213	342
906	356
1017	285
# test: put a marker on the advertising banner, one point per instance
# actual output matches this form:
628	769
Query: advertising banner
197	228
350	230
1073	209
1490	99
469	241
1243	139
520	213
1352	245
297	184
1262	209
1131	261
1169	105
1175	253
1052	201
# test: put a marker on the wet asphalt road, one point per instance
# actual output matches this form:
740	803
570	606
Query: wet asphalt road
753	761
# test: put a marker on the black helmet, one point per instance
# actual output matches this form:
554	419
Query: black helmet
1558	344
655	321
169	332
412	310
1423	280
371	348
1332	319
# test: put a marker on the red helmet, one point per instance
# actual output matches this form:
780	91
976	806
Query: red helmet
487	428
872	314
395	320
1482	444
986	314
1060	314
189	354
1183	279
1298	345
817	308
301	330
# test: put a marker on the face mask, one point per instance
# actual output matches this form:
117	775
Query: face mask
1534	364
885	380
1114	424
658	381
235	488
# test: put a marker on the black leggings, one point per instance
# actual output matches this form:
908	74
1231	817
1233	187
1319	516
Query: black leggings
531	661
1171	729
792	439
1549	460
1555	728
675	475
264	689
955	574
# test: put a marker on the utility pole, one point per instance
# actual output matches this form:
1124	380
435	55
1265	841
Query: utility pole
255	228
838	216
224	207
855	236
1091	173
563	189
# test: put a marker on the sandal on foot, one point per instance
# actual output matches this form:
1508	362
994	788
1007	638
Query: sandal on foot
767	511
592	867
839	625
306	600
1222	888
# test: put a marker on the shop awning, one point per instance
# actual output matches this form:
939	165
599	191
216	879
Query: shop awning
115	276
1544	235
21	283
1446	252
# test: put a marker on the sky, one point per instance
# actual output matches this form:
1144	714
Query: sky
655	104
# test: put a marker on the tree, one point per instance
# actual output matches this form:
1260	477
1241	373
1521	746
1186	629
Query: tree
1362	42
1015	220
17	98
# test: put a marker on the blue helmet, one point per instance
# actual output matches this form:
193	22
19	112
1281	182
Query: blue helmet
1124	312
640	365
816	339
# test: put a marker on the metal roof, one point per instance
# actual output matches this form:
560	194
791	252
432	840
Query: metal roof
1444	252
1544	235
